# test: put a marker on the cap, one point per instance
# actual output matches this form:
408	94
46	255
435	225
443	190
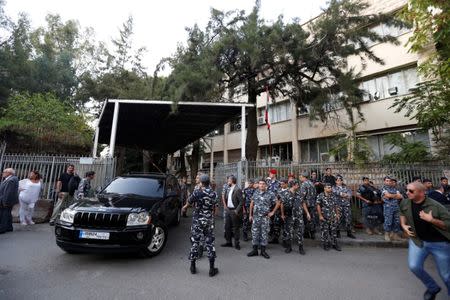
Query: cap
291	175
339	177
251	181
387	177
284	180
304	174
273	171
204	178
327	184
364	178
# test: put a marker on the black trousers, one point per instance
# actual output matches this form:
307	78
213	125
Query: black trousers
5	219
232	225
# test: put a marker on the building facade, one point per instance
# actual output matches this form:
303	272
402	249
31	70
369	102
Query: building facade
296	138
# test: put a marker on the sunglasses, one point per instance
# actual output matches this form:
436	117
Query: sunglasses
411	191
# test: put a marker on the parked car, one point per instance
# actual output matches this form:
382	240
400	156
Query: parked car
131	214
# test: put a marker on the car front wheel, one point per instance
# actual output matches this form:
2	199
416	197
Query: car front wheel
157	243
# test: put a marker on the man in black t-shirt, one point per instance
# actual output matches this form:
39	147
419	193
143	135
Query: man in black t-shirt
328	177
427	223
62	189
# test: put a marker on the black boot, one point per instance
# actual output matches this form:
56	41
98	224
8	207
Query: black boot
254	252
274	241
288	248
338	233
336	247
264	253
237	245
350	234
245	236
193	268
326	247
301	250
227	244
212	270
313	235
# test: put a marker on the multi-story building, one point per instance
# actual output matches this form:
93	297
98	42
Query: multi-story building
295	137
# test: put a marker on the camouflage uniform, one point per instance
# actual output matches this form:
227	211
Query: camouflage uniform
328	227
204	201
225	188
248	194
262	202
345	206
275	222
308	195
391	210
293	211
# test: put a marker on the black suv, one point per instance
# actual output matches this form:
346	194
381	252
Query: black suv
131	214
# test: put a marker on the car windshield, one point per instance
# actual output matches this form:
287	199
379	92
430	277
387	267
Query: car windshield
140	186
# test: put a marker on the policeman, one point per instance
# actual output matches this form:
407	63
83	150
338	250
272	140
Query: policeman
328	210
391	197
292	208
308	195
260	214
283	192
204	200
274	186
344	195
248	194
367	194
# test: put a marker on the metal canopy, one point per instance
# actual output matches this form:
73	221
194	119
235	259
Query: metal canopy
153	125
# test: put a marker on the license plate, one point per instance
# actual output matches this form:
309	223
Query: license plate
94	235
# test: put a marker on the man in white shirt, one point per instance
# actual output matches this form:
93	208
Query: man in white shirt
232	203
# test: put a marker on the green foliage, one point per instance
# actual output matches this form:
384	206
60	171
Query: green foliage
242	54
45	121
408	151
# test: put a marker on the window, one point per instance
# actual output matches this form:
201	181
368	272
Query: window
318	150
278	112
379	147
389	85
384	30
283	151
141	186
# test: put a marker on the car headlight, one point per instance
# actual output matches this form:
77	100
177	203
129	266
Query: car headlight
67	215
135	219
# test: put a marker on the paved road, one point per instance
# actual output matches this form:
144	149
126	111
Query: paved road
33	267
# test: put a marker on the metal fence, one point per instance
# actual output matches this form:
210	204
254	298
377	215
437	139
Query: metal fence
51	167
352	173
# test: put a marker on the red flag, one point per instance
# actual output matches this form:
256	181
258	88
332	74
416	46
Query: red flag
266	113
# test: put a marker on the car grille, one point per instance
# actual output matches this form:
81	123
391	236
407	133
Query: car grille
100	220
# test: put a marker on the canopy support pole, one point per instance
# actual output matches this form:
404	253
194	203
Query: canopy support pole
243	133
95	148
112	140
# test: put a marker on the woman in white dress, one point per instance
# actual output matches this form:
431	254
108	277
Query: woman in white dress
29	191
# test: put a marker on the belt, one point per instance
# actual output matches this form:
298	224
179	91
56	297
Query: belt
231	208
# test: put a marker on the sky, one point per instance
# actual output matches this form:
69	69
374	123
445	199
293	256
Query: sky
158	25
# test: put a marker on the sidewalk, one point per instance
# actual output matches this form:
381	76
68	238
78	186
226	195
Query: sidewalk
362	240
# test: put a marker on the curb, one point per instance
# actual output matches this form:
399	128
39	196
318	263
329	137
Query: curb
362	243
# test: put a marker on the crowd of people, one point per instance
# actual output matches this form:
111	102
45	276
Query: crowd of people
296	209
26	192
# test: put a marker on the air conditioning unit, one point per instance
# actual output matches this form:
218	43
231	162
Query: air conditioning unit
261	120
303	110
376	95
393	91
325	157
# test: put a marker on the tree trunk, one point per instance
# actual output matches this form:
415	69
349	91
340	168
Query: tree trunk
145	161
194	161
251	144
182	171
